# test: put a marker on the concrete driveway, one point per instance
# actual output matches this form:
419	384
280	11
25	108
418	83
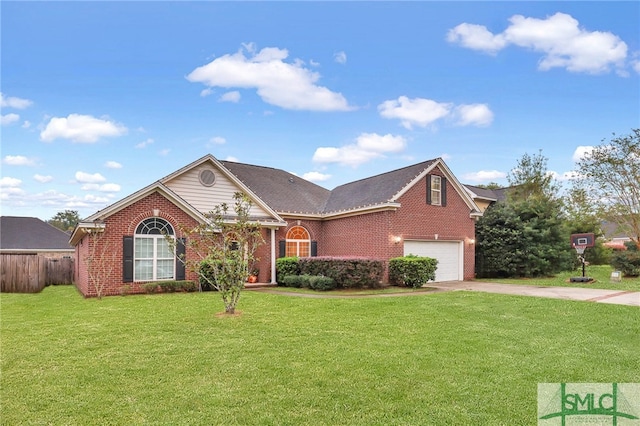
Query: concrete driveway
618	297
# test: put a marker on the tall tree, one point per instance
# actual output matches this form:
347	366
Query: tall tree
66	220
223	248
582	217
530	178
611	175
525	235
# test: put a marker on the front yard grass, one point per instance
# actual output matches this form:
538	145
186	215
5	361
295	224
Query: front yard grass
442	358
601	274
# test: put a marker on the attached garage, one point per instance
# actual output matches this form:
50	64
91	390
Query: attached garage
448	253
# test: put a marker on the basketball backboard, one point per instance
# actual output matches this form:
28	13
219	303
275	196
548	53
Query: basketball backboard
585	240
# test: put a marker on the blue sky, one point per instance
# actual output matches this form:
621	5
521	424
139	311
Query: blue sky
100	99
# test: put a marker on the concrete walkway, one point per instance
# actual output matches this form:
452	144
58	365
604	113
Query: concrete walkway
618	297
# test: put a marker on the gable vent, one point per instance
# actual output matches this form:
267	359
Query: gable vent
207	177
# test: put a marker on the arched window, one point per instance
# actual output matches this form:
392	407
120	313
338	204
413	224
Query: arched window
298	242
153	256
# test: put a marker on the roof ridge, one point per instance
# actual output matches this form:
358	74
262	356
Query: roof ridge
426	162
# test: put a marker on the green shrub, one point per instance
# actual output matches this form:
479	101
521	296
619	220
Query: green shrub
286	266
314	282
347	272
169	286
627	261
296	281
151	287
412	271
321	283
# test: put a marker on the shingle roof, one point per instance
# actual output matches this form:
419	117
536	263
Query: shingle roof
282	191
285	192
374	190
498	194
31	233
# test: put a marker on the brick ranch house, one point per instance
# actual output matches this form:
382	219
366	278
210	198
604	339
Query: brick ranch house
420	209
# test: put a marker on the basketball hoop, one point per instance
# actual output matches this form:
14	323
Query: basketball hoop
580	242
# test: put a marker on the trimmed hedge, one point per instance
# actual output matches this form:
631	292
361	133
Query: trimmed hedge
412	271
314	282
321	283
286	266
347	272
170	286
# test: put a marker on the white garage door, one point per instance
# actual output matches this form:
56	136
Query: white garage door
450	267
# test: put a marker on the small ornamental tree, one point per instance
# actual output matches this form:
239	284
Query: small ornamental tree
224	248
99	260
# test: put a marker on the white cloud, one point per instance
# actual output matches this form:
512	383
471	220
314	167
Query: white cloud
109	187
418	111
164	152
113	165
26	124
206	92
80	128
7	119
83	177
287	85
476	37
368	146
473	114
43	179
422	112
340	57
8	193
232	158
18	160
484	176
106	187
580	152
218	140
233	96
13	102
559	38
10	182
378	143
316	176
145	144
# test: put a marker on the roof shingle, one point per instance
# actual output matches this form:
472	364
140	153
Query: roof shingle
31	233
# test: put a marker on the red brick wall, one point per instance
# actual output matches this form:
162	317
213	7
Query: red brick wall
416	220
118	225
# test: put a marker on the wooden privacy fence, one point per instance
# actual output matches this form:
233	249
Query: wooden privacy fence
30	273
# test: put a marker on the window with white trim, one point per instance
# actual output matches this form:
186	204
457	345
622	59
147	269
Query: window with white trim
298	242
153	259
436	190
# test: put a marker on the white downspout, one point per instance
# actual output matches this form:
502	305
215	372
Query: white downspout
273	256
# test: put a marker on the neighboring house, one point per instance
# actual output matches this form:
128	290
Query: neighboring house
420	209
614	238
30	235
484	197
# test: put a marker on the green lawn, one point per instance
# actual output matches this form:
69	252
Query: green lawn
601	274
442	358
